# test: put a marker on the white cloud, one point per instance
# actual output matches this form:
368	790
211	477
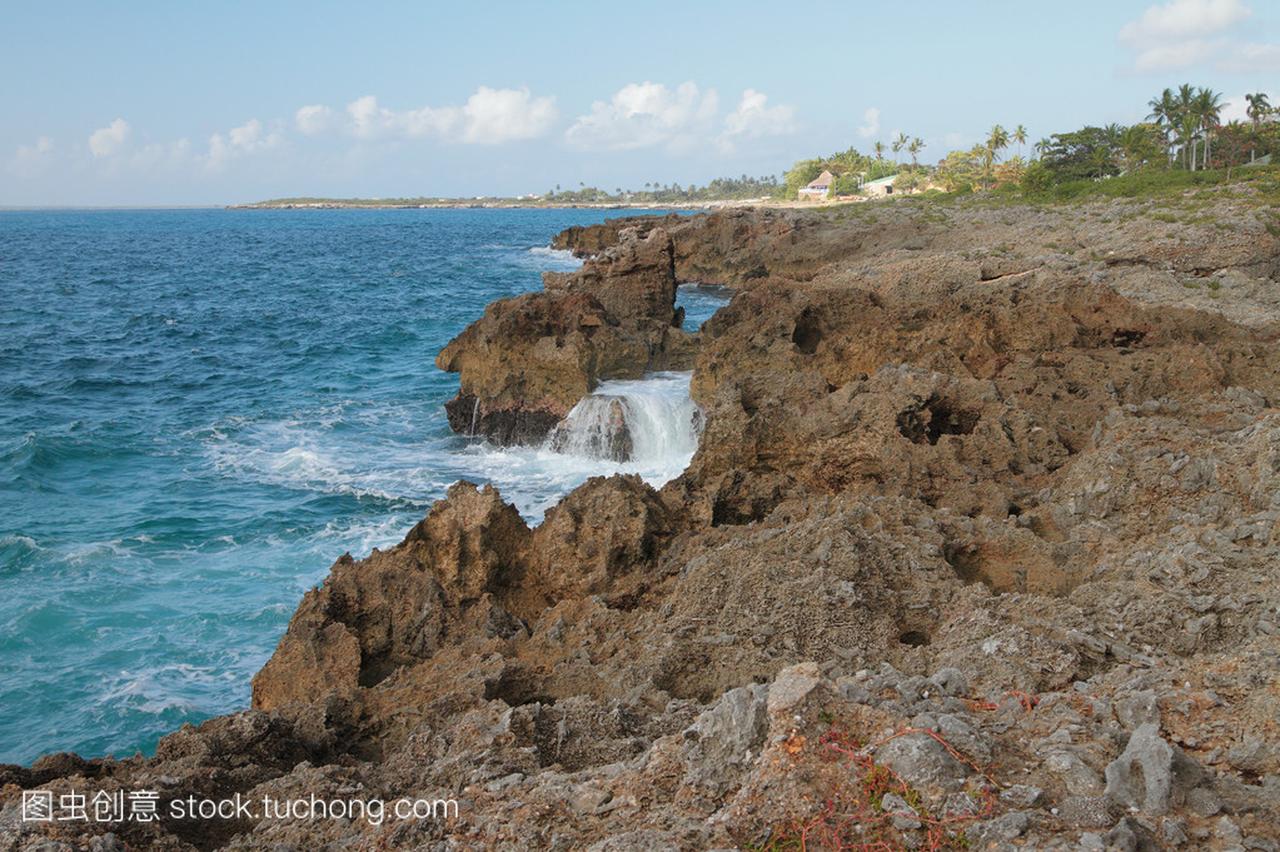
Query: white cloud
245	139
642	115
489	117
31	160
754	117
871	123
1176	55
1184	19
1253	57
1183	33
368	120
313	119
106	141
162	156
492	116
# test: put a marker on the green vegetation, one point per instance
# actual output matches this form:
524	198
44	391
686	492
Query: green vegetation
1182	145
1183	134
850	167
720	189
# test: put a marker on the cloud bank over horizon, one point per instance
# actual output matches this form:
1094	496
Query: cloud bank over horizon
551	101
680	119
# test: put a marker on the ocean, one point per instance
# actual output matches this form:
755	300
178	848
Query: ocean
203	409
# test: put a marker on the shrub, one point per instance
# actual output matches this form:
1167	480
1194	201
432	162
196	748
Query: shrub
1036	178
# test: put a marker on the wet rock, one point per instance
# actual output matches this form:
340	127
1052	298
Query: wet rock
530	358
374	617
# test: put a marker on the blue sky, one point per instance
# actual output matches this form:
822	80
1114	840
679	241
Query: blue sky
186	103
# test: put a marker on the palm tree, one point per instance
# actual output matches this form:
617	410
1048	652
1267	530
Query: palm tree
1187	127
1258	107
1164	112
1020	136
899	144
916	146
879	149
1188	124
997	141
1208	109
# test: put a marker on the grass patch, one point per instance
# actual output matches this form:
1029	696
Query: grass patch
1176	187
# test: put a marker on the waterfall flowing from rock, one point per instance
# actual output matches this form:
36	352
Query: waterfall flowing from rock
652	419
650	422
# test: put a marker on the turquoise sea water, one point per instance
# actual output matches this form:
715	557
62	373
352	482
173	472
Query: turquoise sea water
199	411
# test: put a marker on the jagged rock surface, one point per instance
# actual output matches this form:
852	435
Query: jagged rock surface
979	548
530	358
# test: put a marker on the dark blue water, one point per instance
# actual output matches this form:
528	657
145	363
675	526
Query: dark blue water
200	411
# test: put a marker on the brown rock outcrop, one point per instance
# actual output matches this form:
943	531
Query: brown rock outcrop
588	240
978	549
532	357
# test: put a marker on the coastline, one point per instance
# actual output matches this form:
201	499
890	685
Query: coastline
950	501
494	204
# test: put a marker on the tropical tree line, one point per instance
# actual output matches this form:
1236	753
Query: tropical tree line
1184	130
984	165
852	168
655	192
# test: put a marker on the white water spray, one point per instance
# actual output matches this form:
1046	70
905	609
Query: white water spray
651	423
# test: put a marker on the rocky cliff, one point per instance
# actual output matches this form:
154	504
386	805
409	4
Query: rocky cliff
525	363
979	550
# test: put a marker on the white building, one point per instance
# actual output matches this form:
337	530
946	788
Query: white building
818	188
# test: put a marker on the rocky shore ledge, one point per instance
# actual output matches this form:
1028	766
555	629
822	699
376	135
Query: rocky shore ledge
979	550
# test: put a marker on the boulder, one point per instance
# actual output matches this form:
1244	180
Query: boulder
1151	774
372	617
722	742
923	762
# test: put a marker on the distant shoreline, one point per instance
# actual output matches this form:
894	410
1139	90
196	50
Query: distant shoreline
499	204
